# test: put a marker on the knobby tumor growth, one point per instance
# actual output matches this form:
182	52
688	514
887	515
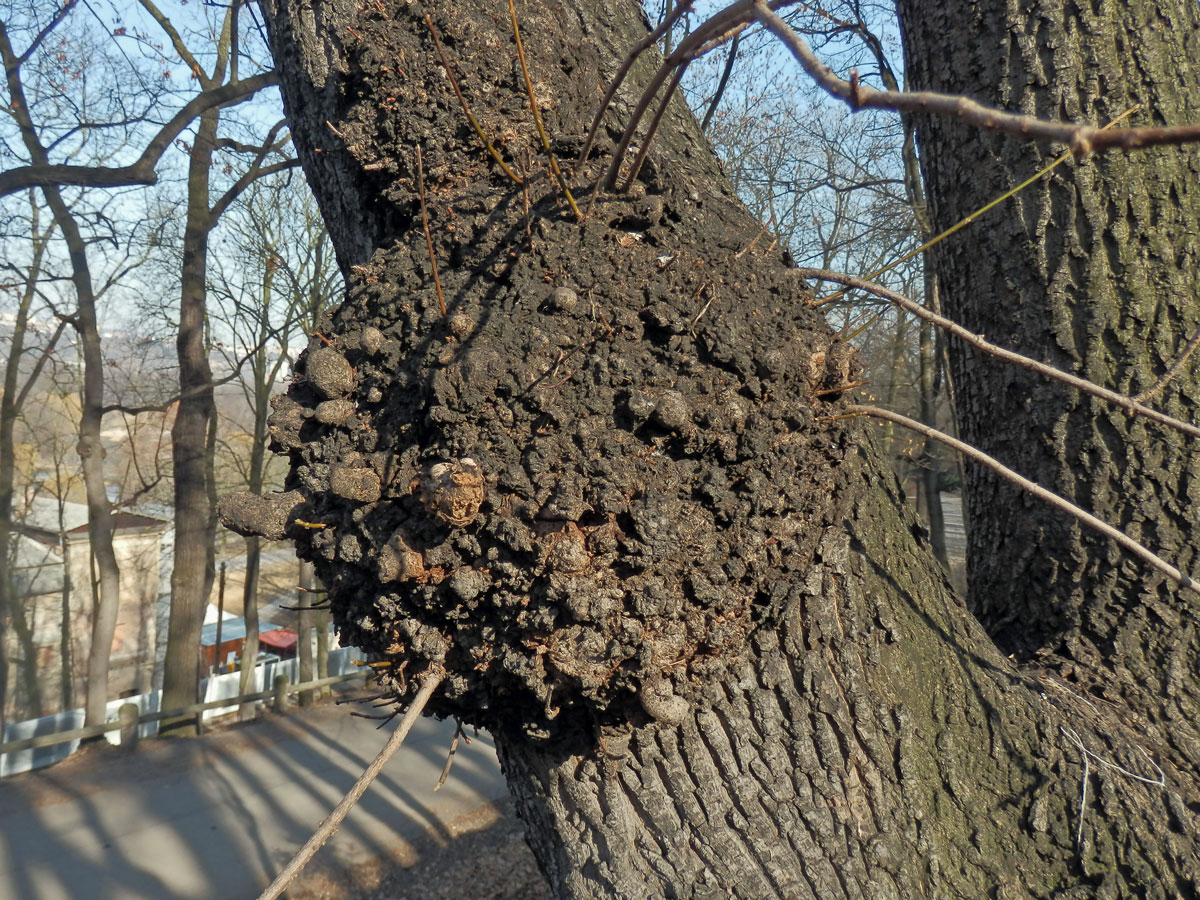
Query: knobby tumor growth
581	490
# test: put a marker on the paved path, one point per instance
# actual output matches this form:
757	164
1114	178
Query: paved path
214	818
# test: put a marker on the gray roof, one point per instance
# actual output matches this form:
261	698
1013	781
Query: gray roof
42	513
37	567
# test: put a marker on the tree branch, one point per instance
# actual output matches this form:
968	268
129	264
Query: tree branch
256	170
176	41
1082	139
141	172
55	21
1129	404
1157	562
723	83
38	366
326	829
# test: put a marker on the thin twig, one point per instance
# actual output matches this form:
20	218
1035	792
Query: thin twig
991	204
458	733
643	45
654	123
537	116
466	109
723	83
750	246
1172	371
1083	792
722	26
1037	490
1085	754
712	33
1130	404
326	829
1158	781
437	282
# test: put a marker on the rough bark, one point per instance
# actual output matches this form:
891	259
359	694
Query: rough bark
1093	269
692	608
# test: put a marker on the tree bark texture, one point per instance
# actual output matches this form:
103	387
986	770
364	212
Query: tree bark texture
1095	270
193	572
606	494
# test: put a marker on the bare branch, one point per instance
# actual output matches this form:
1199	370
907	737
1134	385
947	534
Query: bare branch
437	281
326	829
1129	404
38	366
256	170
463	102
723	83
41	36
1172	371
1082	139
270	335
1155	561
654	123
537	116
643	45
140	172
176	41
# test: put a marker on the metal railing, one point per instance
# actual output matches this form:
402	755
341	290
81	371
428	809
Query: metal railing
128	722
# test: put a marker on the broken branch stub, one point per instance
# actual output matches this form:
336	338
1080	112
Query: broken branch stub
266	515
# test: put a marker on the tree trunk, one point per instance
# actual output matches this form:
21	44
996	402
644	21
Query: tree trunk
609	496
263	380
12	612
895	373
930	486
1092	269
90	446
192	576
250	614
304	630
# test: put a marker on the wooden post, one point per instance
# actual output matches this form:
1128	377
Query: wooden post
220	619
304	648
128	717
281	693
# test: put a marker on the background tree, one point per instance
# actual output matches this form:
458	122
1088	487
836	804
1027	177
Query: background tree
22	107
1094	271
96	118
273	276
24	361
600	488
193	433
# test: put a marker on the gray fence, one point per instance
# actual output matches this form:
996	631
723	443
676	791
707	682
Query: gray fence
36	743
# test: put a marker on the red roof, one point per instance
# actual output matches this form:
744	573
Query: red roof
280	638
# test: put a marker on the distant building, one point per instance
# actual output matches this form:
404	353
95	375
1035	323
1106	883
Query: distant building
52	573
221	643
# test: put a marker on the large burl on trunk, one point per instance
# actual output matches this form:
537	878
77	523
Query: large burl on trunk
604	493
